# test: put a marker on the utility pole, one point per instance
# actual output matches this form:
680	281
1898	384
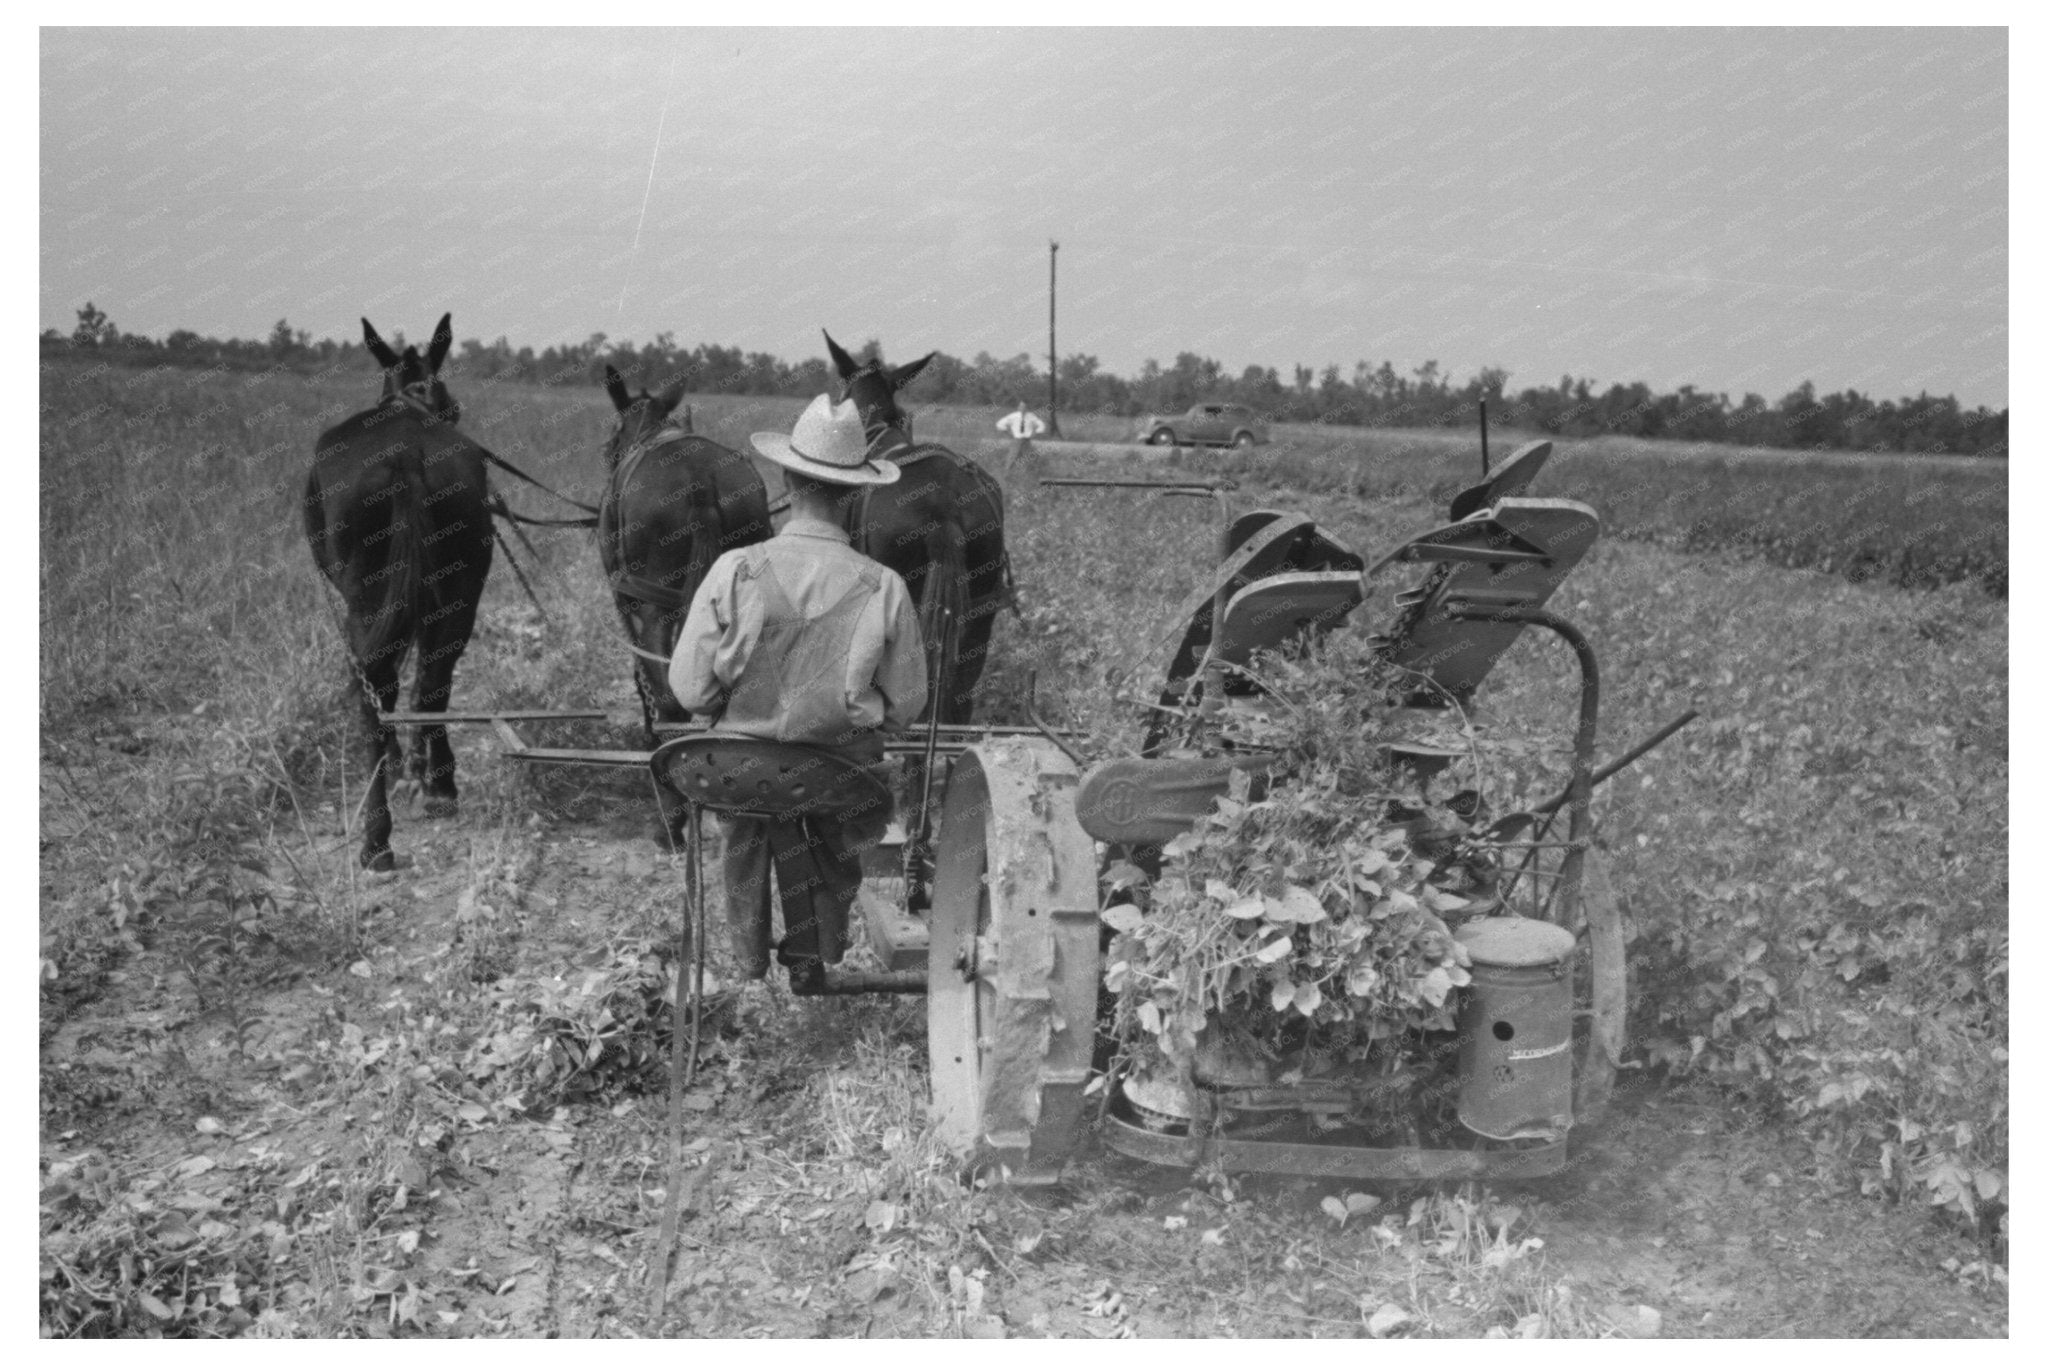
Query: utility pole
1052	347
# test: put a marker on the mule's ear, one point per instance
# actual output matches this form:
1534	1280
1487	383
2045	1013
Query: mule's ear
903	374
670	396
437	349
615	389
841	361
384	355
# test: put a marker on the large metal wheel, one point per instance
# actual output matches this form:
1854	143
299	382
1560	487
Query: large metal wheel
1599	992
1161	437
1014	966
1582	900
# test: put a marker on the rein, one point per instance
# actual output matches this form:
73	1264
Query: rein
894	443
517	472
648	654
509	515
646	590
411	398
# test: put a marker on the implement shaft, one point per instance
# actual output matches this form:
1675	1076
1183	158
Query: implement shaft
1191	485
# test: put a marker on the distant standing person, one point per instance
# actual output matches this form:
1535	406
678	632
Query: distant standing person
1021	426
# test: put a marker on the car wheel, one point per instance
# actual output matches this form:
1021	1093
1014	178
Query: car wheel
1161	437
1242	439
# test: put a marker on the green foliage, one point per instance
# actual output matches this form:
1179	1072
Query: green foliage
1915	525
1283	908
1880	1027
1828	940
1307	920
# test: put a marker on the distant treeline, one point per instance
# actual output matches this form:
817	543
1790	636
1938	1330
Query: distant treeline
1368	397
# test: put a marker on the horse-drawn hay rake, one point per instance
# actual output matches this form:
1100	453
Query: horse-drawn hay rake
1000	918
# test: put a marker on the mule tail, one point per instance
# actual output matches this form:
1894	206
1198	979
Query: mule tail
1004	592
418	592
706	540
707	543
945	605
395	615
384	619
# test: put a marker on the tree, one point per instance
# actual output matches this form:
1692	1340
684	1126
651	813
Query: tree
1377	396
1192	379
93	328
942	380
1077	369
1387	386
1334	398
1085	388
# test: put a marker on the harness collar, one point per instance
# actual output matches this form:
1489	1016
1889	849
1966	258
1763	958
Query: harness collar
886	442
632	584
635	453
413	396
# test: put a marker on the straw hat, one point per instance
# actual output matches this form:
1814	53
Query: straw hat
829	444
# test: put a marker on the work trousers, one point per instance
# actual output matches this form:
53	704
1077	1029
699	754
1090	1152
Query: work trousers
1020	449
816	863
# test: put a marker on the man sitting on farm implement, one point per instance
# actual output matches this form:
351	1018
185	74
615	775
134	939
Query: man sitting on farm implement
805	640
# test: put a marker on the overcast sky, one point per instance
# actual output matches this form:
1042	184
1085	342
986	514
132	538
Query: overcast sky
1734	209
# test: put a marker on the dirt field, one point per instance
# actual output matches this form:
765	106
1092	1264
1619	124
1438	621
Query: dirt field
280	1097
364	1170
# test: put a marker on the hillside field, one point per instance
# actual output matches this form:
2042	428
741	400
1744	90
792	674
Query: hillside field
279	1097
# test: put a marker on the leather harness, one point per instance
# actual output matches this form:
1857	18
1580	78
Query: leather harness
891	444
623	582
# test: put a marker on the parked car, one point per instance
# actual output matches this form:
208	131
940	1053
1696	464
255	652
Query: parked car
1207	424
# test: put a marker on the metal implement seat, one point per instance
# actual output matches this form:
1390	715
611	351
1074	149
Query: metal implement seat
1515	474
1311	548
1268	615
1491	569
1262	544
765	778
785	784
